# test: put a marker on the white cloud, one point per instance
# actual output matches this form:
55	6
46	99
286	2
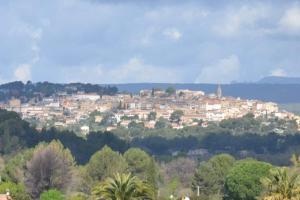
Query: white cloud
23	72
278	72
2	80
182	14
36	36
147	37
242	20
224	71
290	21
135	70
172	33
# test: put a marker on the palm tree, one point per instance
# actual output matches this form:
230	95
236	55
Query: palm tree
281	185
295	160
123	187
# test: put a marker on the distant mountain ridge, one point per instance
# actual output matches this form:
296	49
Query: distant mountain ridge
280	80
279	93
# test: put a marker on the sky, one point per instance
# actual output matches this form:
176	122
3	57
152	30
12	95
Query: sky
130	41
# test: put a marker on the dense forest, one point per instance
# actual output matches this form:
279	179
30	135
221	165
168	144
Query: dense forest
30	90
240	137
158	164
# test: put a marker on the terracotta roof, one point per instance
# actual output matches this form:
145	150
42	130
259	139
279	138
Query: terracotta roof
4	197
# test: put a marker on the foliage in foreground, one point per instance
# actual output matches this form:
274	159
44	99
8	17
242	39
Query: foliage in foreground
123	187
50	167
17	191
210	176
243	181
52	195
281	185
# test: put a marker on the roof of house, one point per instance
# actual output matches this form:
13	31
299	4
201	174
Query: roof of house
4	197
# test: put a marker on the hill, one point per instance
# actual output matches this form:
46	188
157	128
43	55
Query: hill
279	93
279	80
31	90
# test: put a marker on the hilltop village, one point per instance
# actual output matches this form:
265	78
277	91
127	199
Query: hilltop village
179	108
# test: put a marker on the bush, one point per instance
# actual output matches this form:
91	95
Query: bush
52	195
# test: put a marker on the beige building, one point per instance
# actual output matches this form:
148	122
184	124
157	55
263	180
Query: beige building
15	105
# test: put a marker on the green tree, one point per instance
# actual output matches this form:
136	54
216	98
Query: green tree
15	167
17	191
243	181
170	91
152	92
173	186
295	159
240	125
161	123
138	161
78	197
105	163
281	185
136	128
1	164
152	116
182	169
176	116
108	119
176	177
152	173
210	176
123	187
51	167
142	165
52	195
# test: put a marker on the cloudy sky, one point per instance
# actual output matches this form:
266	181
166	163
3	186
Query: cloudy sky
121	41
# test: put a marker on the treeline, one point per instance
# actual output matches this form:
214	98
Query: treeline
49	172
16	134
30	90
62	166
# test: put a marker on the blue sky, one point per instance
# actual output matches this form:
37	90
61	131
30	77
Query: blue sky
190	41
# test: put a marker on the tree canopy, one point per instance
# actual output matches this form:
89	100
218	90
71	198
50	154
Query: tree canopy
210	176
243	181
123	187
52	195
105	163
50	167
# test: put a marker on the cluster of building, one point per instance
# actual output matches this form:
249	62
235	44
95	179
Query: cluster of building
64	110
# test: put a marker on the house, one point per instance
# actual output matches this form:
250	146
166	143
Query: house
15	105
150	124
5	196
110	128
85	130
98	118
86	96
125	123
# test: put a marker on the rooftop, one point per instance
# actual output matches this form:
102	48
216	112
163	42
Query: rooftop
5	197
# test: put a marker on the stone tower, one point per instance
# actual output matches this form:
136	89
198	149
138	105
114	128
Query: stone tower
219	91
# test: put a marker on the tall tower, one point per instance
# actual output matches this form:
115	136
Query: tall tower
219	91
